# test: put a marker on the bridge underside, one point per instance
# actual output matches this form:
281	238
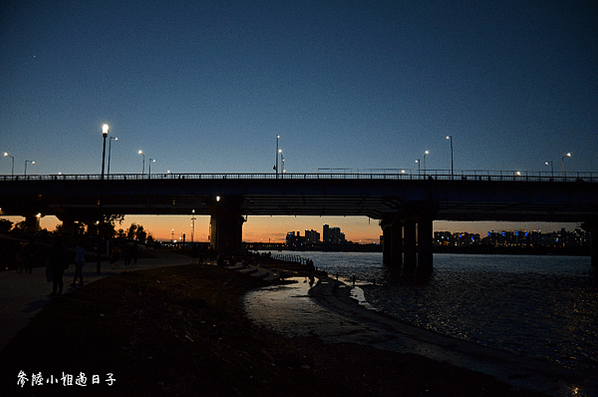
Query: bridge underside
253	205
406	208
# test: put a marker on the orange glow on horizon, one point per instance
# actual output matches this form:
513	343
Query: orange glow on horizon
257	228
275	228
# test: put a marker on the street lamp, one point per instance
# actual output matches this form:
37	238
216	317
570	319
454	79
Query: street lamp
419	167
143	166
281	163
276	165
425	154
28	161
150	166
192	225
450	138
563	162
112	138
105	129
13	163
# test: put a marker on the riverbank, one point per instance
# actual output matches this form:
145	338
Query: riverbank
181	330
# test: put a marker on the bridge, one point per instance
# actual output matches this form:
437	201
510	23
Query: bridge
406	204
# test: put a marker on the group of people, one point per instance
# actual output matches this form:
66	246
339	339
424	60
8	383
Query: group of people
25	258
59	260
129	252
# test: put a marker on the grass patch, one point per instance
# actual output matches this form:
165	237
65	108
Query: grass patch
182	331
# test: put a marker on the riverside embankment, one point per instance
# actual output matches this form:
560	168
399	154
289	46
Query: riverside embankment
182	330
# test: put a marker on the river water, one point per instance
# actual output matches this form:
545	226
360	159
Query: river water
540	306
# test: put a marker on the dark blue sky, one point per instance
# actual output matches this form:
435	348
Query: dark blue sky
204	87
207	86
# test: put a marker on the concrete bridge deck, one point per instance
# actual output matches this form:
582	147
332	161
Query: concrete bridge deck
405	203
509	196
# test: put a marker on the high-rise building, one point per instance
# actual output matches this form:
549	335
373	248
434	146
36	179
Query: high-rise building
326	234
333	235
312	236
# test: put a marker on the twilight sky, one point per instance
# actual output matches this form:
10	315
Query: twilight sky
206	86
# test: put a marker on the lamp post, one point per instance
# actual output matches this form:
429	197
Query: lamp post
150	166
419	167
112	138
276	165
12	173
563	162
192	225
281	163
105	129
450	138
551	168
143	165
425	154
28	161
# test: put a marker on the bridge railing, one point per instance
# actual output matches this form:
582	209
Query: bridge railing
332	174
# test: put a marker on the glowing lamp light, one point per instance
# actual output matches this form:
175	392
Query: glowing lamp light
105	129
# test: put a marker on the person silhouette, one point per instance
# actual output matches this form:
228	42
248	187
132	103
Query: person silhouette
59	262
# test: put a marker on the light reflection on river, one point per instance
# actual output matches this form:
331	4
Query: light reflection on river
541	306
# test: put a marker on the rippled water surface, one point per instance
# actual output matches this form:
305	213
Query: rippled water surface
542	306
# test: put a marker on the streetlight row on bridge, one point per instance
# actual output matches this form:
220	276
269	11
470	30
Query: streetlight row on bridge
6	154
105	130
450	139
279	152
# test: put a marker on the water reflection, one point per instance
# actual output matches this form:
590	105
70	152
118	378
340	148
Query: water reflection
541	306
284	308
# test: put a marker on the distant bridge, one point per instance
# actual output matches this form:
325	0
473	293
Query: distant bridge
400	200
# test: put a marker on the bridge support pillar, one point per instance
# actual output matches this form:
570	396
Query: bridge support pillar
393	242
594	248
32	223
410	246
226	225
397	244
592	227
425	238
387	244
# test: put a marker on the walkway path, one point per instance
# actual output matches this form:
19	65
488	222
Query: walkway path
22	296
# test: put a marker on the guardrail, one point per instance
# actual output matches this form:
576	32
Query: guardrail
381	174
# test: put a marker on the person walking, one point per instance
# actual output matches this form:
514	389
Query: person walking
31	259
21	260
59	262
115	255
79	262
